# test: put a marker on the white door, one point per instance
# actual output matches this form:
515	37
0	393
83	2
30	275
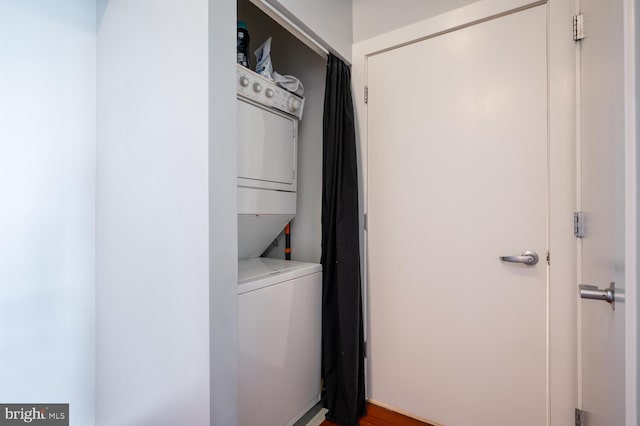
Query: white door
267	143
602	201
457	177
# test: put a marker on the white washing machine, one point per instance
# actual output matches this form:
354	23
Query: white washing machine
279	340
280	301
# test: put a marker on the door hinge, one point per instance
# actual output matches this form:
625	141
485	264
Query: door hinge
366	222
548	258
578	27
578	224
580	417
366	94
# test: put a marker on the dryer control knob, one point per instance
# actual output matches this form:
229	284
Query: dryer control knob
293	104
257	87
244	81
269	93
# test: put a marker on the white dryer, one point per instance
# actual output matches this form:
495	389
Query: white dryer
267	160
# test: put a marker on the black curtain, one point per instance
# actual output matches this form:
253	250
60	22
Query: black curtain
342	329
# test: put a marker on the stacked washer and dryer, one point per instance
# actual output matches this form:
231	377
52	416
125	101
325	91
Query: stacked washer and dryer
279	300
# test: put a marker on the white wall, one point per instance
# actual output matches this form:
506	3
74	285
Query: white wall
374	17
306	227
223	210
632	205
637	106
329	21
152	249
47	178
636	5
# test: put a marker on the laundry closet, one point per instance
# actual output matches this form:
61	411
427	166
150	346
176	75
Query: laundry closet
279	140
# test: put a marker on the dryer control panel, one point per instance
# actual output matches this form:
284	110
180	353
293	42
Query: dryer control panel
259	89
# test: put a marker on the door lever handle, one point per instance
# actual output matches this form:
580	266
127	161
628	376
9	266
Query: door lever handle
528	258
594	293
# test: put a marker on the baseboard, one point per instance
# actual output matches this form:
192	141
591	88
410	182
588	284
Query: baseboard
295	419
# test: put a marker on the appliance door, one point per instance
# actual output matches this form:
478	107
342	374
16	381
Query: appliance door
279	328
267	142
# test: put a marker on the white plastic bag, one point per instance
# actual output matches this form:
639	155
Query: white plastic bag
289	82
264	67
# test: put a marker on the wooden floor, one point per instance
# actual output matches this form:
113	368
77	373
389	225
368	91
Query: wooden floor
378	416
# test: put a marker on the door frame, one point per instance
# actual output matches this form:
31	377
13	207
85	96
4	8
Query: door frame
562	374
631	11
